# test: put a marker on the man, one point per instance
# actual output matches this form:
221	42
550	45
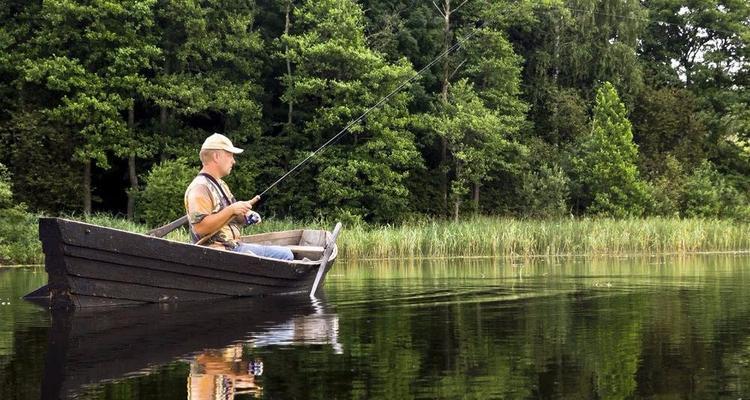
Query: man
214	215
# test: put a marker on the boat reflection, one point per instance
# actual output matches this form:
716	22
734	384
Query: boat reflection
89	347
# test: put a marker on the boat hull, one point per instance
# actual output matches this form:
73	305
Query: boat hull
90	265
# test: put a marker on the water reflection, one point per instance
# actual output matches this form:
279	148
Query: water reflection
652	327
222	374
217	339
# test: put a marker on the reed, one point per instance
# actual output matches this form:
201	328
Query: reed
504	237
486	237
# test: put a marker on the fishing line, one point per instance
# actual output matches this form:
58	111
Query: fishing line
456	45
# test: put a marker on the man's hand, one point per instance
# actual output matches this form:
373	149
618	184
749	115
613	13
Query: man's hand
240	208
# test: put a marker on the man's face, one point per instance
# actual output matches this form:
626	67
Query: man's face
225	161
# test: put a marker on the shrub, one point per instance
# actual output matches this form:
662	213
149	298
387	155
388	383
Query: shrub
19	230
162	199
546	192
707	193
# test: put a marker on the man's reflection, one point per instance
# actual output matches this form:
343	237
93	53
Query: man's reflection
220	374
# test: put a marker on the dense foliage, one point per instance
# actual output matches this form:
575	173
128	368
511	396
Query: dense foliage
583	107
18	233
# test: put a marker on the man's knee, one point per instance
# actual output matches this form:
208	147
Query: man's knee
283	253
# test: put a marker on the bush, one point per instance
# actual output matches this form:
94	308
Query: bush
666	189
708	194
19	230
162	199
546	192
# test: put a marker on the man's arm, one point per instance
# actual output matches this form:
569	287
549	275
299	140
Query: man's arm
200	211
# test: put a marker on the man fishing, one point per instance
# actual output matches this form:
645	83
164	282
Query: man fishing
214	215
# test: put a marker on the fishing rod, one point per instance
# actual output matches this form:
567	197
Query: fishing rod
163	230
456	45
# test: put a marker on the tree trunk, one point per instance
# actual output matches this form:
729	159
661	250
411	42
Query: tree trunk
476	197
457	197
87	187
444	95
287	24
131	166
163	118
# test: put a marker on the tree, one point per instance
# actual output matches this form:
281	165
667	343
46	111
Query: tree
206	80
703	46
476	137
336	78
666	122
89	57
569	48
606	165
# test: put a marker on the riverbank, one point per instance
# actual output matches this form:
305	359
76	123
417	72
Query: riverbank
477	237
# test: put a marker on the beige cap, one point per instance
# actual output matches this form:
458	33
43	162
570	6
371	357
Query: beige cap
218	141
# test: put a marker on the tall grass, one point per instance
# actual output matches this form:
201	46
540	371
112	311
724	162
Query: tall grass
489	236
503	237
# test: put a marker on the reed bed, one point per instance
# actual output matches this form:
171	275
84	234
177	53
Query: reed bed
503	237
492	237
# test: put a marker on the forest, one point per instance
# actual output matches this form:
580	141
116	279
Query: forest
538	109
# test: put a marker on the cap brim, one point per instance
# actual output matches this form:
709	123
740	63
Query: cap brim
234	150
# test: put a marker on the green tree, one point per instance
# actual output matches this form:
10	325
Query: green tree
666	122
569	48
703	46
605	168
89	57
336	78
477	139
207	80
29	141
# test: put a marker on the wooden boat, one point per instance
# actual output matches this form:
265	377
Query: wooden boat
90	265
98	345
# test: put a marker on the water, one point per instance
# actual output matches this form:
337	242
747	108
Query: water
416	329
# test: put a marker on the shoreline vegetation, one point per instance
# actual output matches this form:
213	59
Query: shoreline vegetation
479	237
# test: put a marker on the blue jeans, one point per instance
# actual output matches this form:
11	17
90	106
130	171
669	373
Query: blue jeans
279	252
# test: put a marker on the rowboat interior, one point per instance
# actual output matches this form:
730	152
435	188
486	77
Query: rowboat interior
305	244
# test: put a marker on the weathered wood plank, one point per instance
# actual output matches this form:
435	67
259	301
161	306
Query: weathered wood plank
313	253
188	270
54	264
312	237
82	301
159	279
86	261
275	238
129	291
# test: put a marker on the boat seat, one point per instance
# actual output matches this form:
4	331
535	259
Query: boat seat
313	253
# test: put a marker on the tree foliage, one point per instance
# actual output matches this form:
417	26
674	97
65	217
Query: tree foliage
606	165
97	96
162	200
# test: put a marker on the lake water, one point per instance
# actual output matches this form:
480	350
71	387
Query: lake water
659	327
